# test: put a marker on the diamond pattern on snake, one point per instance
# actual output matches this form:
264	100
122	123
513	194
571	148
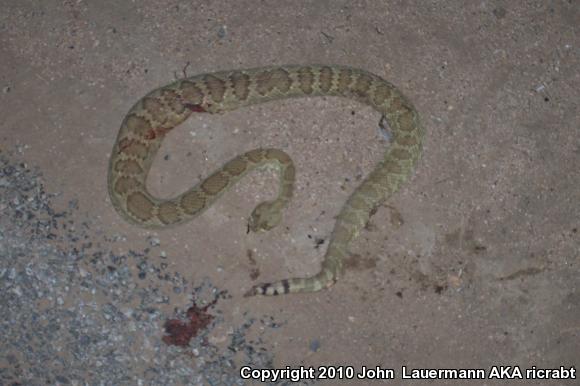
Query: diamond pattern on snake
154	115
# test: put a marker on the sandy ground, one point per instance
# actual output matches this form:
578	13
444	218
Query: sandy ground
474	263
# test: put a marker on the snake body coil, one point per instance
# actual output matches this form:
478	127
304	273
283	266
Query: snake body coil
149	120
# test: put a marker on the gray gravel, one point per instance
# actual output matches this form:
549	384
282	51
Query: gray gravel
73	312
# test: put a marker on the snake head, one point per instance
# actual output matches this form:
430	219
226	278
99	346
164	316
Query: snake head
264	217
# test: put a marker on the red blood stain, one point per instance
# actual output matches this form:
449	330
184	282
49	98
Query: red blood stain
179	332
150	134
124	144
154	133
196	108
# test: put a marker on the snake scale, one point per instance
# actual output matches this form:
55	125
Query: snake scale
153	116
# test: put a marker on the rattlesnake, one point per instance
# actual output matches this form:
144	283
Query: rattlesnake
146	124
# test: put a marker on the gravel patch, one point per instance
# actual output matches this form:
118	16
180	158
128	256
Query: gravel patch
75	313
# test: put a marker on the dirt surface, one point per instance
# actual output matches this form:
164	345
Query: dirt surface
474	263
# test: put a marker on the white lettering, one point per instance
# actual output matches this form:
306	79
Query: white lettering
505	372
274	375
560	373
442	373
